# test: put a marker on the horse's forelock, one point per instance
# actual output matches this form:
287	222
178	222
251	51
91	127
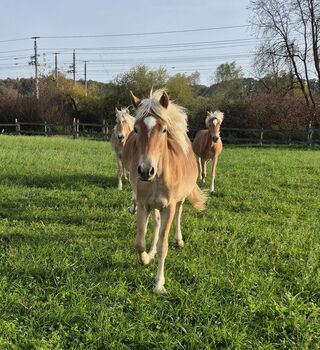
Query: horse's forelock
124	115
175	116
215	115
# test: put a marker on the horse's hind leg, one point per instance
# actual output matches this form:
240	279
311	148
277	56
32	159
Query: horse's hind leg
156	229
133	207
178	235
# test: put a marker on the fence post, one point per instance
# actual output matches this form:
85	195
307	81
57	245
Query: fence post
45	128
104	129
77	128
74	128
309	134
17	127
107	131
261	136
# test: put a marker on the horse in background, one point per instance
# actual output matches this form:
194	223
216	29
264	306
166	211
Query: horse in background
163	173
121	131
207	145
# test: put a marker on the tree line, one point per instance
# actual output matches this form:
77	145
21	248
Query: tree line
284	92
246	102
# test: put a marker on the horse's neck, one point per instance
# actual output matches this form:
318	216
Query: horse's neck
171	158
208	140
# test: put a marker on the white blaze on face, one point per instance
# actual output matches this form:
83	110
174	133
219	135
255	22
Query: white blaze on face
150	123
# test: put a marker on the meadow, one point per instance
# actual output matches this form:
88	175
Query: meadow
247	278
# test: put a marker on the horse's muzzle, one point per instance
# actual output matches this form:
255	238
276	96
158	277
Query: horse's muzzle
215	138
120	137
145	174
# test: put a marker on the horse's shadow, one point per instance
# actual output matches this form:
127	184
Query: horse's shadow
72	181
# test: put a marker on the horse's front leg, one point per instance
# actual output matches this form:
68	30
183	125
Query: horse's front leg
156	229
178	235
199	168
142	223
203	170
213	172
166	215
133	207
120	172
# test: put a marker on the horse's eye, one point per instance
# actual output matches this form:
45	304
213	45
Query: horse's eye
135	130
164	130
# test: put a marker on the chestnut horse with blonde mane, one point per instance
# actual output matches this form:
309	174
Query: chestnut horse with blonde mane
121	131
207	145
163	173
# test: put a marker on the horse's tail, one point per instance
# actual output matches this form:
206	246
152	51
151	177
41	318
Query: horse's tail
198	198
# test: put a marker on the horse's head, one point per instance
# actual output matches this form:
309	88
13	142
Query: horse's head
213	123
151	131
124	124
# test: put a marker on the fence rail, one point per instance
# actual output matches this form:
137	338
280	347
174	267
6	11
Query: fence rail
307	136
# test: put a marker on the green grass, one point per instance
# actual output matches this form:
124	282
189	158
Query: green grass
248	277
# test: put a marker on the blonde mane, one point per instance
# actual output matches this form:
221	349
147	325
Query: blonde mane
124	115
175	116
216	114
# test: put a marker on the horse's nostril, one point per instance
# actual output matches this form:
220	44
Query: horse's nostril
139	170
151	171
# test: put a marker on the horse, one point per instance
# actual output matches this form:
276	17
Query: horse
207	144
121	131
163	173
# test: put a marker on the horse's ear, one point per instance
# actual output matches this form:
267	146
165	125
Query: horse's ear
135	100
164	100
208	113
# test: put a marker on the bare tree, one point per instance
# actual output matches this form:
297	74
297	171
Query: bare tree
291	32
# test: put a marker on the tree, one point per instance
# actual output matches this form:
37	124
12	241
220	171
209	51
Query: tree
180	89
228	72
140	80
291	32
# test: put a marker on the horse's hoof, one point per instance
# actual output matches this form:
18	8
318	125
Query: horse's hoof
180	243
151	255
145	259
160	290
132	210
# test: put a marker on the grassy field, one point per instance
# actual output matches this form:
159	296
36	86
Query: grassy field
248	277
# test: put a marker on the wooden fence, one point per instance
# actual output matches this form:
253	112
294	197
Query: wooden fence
307	136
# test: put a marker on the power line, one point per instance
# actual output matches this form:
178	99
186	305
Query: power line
17	39
142	33
158	46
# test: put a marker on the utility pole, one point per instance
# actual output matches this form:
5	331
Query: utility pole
56	68
35	62
85	78
74	67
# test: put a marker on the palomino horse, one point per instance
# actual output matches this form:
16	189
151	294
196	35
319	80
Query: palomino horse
121	131
163	173
207	144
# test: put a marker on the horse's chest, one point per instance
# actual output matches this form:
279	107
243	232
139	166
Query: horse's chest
155	196
210	153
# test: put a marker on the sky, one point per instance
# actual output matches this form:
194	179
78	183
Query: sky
182	36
